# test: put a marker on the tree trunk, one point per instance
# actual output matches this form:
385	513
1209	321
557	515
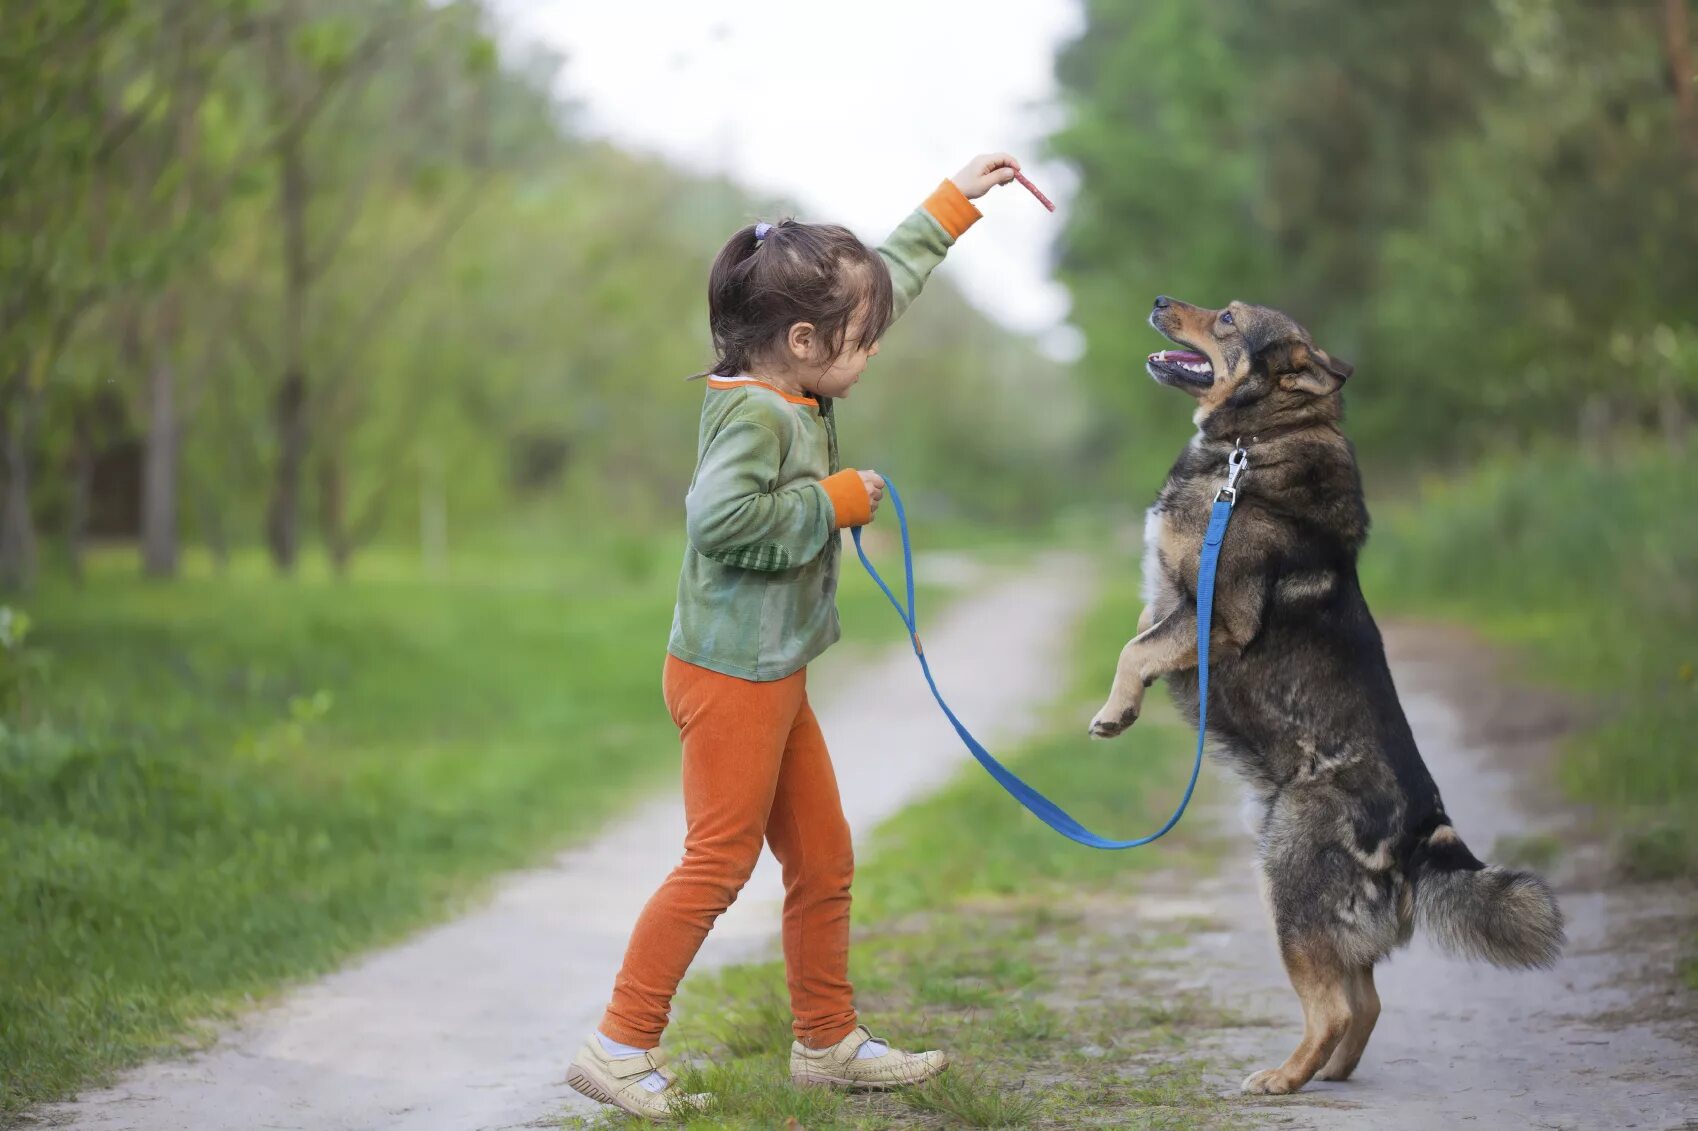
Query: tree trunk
283	520
17	524
1672	418
161	450
1596	421
332	512
433	513
82	488
1677	50
210	516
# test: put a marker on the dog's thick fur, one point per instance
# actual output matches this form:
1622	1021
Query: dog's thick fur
1354	847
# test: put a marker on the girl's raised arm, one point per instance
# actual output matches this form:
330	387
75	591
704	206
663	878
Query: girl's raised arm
921	241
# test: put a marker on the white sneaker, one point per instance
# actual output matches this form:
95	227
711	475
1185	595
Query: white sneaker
840	1066
618	1080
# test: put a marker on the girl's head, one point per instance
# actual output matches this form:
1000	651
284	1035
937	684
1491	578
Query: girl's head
804	303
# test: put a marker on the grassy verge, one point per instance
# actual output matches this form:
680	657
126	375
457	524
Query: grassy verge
981	931
1590	571
214	786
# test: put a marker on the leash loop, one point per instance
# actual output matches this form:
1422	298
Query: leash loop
1040	806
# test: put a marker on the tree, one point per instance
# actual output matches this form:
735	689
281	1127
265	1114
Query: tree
1489	208
57	138
325	67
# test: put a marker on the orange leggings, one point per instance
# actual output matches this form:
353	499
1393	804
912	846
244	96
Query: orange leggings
755	766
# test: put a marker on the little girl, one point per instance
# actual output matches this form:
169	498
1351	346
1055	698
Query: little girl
796	312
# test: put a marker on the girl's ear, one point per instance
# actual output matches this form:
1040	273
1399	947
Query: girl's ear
801	341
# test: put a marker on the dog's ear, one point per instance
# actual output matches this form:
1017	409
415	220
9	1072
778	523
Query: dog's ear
1312	370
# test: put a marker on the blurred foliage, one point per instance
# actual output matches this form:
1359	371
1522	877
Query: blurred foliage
312	264
1490	208
1586	566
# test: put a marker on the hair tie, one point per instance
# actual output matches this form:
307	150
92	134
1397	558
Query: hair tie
761	230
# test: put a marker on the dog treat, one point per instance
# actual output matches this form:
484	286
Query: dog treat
1033	189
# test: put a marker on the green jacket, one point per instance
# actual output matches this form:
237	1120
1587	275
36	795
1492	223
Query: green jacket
757	595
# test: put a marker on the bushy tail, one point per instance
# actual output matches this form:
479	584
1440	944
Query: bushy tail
1482	911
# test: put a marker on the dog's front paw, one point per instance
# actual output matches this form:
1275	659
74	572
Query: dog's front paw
1107	724
1268	1082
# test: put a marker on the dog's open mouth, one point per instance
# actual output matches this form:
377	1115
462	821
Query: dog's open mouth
1181	367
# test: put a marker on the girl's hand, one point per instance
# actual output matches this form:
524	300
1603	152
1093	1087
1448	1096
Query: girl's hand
984	173
874	483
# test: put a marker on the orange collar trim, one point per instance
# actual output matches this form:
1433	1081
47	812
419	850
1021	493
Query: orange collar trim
740	382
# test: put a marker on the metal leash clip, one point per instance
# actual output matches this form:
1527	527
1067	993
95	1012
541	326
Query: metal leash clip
1235	465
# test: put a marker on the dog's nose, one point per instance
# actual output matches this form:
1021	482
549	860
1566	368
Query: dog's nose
1163	302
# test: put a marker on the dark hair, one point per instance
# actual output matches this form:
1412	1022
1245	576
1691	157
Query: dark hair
819	273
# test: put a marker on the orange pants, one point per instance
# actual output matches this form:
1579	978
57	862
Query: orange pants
755	767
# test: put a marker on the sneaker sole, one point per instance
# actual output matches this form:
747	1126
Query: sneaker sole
586	1085
818	1080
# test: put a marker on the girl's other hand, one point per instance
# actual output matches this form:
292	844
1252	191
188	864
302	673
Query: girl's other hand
874	483
984	173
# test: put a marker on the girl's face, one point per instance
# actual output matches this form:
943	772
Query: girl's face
844	371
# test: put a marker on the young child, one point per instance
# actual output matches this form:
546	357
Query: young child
796	312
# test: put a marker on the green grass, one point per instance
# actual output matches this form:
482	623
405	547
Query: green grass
212	787
1539	852
1589	571
972	933
971	1099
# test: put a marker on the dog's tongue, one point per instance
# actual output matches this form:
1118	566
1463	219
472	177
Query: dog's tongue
1182	357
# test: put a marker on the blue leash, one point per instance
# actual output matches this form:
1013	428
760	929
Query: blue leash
1046	810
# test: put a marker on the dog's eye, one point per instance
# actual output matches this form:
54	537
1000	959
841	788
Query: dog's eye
1226	316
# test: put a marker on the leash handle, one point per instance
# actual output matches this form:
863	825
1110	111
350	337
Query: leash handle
1035	802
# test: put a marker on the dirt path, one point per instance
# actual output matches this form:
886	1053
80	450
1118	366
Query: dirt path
1604	1040
470	1025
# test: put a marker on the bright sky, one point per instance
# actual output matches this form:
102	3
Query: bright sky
855	111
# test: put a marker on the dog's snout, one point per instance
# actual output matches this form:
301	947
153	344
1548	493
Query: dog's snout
1163	302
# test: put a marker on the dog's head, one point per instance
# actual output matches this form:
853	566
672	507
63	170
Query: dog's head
1250	367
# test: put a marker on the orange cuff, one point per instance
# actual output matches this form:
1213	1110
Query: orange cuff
952	209
849	498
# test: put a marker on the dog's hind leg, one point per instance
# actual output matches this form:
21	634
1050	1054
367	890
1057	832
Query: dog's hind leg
1323	984
1364	1013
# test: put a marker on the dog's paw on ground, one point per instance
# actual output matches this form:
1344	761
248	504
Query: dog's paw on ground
1268	1082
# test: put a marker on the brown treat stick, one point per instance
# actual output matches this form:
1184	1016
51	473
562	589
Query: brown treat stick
1033	189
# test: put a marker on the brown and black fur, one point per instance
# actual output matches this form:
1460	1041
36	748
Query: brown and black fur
1354	847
